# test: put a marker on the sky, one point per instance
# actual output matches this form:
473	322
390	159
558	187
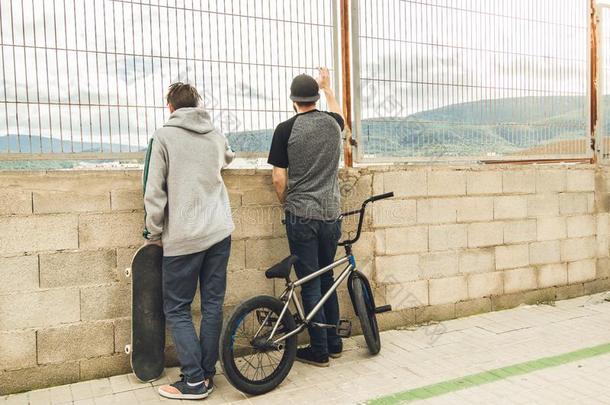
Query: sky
96	70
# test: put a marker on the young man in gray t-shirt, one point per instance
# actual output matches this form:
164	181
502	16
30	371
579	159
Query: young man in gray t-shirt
305	153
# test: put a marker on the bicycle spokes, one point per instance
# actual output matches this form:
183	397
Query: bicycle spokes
255	355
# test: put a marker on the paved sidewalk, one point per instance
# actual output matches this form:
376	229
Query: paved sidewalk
529	355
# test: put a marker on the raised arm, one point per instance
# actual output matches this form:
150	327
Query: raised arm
324	83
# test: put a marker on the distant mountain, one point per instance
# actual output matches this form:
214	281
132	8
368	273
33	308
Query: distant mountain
37	144
489	128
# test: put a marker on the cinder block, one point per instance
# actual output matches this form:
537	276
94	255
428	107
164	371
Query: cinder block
126	199
397	269
44	308
77	268
264	253
472	307
448	290
566	292
602	269
573	203
17	349
485	284
578	249
519	181
406	240
482	234
19	273
595	286
509	207
74	342
39	377
380	248
435	314
518	280
107	301
237	260
581	225
519	231
122	334
354	187
446	183
106	366
437	265
262	197
543	205
506	301
119	229
603	245
48	202
390	213
15	202
38	233
551	275
545	252
551	228
512	256
251	222
411	183
245	284
436	210
476	261
603	224
581	271
407	295
124	256
581	180
447	237
378	187
550	181
475	209
484	182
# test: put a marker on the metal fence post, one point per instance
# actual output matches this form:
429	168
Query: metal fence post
594	63
347	82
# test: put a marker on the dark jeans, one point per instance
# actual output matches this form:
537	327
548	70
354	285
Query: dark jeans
315	243
197	355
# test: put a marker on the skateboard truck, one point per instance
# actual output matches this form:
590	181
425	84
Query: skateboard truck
344	328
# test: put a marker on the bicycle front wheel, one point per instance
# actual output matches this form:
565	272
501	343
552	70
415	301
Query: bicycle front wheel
366	314
252	363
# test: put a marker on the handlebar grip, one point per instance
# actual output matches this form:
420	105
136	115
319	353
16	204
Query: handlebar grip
382	196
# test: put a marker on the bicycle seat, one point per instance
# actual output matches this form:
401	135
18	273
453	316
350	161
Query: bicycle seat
281	269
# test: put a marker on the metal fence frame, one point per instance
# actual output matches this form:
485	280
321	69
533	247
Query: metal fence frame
594	114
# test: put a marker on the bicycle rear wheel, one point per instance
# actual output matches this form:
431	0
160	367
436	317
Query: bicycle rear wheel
251	363
366	313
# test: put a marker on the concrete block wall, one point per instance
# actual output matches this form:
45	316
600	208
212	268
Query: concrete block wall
452	242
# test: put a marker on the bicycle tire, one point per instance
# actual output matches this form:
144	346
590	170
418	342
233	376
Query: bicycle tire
232	371
367	316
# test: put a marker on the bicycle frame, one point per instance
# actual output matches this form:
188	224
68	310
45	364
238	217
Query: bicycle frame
289	295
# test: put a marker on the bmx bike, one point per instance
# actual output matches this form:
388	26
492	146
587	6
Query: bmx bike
259	341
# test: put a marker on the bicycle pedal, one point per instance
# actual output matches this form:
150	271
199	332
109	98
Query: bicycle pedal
322	325
344	328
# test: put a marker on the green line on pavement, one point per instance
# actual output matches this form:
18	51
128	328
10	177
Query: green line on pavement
486	377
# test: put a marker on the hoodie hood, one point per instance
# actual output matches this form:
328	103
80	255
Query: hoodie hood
195	119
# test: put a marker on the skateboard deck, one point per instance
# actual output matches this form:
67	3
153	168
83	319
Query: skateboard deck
147	319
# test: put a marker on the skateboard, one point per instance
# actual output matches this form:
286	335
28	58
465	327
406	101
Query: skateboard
147	319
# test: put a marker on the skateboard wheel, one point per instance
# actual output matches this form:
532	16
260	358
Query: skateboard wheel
128	272
127	349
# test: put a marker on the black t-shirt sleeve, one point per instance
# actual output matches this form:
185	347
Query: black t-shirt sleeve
337	118
278	154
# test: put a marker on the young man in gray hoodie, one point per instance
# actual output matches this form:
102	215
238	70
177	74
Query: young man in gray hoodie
188	212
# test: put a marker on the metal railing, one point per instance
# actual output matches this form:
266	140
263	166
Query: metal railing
471	79
89	76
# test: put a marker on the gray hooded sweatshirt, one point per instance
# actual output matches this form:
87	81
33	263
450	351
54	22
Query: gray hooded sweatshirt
186	202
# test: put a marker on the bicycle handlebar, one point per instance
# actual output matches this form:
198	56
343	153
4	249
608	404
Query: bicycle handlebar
361	212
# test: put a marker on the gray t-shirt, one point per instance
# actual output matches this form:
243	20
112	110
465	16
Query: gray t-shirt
309	145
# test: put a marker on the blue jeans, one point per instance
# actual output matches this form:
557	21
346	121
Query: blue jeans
197	355
315	243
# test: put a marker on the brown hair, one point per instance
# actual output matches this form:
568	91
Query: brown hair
181	95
